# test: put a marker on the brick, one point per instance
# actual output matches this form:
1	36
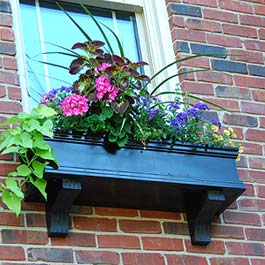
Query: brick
97	257
238	248
7	48
252	176
200	61
181	46
242	163
10	107
255	108
256	234
95	224
24	237
229	261
236	6
6	20
174	228
257	163
255	45
145	227
10	63
230	105
4	170
10	219
215	247
220	15
255	135
208	3
104	211
7	34
160	215
215	77
9	78
250	190
197	88
2	91
240	30
258	95
224	231
160	243
228	66
247	81
223	40
256	70
14	93
260	9
81	210
36	220
64	255
12	253
198	24
176	21
241	120
257	261
251	148
261	33
251	205
252	20
117	241
262	122
143	259
233	92
186	74
185	260
5	7
187	10
208	49
189	35
75	239
246	56
260	191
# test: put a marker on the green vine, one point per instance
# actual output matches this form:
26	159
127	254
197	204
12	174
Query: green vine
26	139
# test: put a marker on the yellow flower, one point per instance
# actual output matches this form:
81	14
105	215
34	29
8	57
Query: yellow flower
220	137
214	128
241	149
238	158
233	135
230	130
226	132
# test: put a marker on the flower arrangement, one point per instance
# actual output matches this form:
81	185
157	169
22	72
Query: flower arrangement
109	99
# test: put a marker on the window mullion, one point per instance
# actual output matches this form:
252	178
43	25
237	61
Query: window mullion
42	44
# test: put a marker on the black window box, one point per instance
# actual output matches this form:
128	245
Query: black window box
199	180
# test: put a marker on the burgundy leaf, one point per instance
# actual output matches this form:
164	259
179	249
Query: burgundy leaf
79	45
97	43
120	108
76	65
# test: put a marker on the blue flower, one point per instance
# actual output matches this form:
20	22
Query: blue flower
152	113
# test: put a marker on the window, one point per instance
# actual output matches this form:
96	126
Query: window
141	25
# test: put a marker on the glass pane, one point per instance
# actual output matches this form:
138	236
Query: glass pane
55	28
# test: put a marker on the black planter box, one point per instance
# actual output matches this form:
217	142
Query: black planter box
199	180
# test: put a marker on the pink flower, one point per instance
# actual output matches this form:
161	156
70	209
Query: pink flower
113	92
74	105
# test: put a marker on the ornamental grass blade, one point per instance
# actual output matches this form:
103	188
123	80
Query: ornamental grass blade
99	27
51	64
172	76
117	39
76	24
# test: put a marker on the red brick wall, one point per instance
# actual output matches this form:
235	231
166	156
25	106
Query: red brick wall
122	236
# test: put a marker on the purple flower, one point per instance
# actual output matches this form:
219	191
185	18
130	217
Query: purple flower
201	106
173	106
152	113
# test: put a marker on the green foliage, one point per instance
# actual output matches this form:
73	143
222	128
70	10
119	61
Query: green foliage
27	140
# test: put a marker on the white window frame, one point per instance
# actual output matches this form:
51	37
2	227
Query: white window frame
153	28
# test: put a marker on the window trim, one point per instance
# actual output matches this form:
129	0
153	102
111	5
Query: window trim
153	27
